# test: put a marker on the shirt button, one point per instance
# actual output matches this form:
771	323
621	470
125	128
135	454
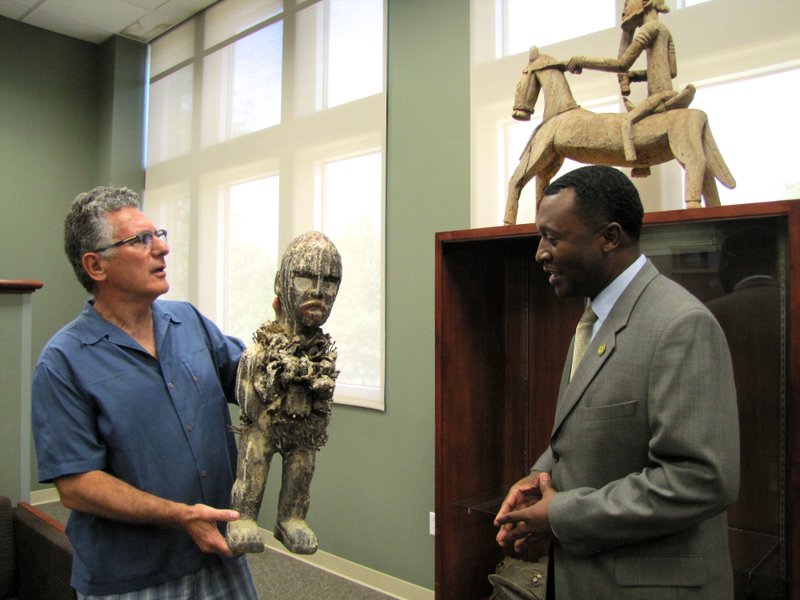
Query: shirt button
204	473
171	385
189	428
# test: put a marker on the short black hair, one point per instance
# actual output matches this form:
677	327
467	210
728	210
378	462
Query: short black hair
603	195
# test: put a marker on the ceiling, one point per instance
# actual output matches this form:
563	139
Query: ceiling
97	20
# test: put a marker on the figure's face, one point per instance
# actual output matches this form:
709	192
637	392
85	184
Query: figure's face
311	282
134	269
632	14
569	251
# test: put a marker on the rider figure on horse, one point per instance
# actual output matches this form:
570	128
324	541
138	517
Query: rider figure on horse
654	38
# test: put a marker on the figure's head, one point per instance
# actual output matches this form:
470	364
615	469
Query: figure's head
633	12
87	228
308	280
590	220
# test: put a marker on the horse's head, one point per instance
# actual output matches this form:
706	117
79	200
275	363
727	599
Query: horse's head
534	78
527	89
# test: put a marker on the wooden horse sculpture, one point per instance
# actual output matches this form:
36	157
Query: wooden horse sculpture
568	131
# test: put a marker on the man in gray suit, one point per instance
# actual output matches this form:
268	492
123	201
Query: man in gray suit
644	453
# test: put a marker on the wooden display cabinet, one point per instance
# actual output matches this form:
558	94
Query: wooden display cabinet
501	341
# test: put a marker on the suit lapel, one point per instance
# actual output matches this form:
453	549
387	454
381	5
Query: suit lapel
602	346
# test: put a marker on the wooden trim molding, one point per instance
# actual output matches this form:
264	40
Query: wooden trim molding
19	286
40	515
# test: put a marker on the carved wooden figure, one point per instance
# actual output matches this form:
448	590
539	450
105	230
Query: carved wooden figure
568	131
285	387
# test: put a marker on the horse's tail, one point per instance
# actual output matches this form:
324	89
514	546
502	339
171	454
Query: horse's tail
714	161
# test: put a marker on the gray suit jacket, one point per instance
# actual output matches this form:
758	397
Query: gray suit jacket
645	453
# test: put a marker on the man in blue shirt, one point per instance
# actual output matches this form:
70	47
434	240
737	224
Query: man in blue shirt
131	421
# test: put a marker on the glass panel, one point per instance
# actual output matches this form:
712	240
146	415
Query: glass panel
242	86
763	170
355	50
529	23
169	124
352	196
739	270
171	210
225	19
251	255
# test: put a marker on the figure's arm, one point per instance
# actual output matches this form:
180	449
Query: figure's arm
106	496
673	61
693	450
624	78
628	55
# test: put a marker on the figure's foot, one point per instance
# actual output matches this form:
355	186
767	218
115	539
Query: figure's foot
297	536
640	172
243	536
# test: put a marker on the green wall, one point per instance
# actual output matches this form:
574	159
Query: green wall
69	119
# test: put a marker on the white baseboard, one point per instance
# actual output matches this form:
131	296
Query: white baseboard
362	575
43	496
381	582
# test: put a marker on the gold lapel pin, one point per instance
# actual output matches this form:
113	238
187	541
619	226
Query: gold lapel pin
601	349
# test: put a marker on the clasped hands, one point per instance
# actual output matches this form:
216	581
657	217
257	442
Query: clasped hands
523	517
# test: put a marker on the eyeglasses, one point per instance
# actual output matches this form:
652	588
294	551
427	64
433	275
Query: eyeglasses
145	238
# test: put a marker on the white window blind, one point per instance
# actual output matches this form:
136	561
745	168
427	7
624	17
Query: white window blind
267	119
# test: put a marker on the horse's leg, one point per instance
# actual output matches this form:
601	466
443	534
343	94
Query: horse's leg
529	166
686	143
710	192
521	176
546	174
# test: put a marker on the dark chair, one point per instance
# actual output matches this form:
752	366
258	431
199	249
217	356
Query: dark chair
35	555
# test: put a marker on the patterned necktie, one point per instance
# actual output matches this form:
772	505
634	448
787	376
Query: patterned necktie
583	334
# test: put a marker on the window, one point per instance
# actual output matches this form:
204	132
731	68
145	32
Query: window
266	120
753	125
523	23
742	78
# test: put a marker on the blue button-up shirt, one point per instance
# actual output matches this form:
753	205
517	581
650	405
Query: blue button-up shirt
100	402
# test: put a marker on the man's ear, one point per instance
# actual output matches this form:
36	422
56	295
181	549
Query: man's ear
613	236
94	265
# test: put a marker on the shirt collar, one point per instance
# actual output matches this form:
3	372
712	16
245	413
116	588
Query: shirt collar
92	327
605	300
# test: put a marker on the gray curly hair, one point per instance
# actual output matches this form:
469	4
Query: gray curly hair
86	228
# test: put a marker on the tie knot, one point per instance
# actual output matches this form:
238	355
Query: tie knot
588	315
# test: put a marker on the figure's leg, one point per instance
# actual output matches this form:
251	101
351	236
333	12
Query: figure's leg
685	140
539	151
626	130
710	191
521	176
648	106
252	469
295	497
546	174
